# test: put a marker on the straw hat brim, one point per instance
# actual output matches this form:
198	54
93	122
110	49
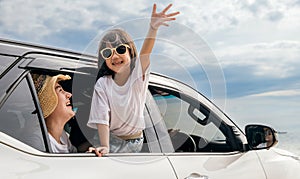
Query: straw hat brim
47	95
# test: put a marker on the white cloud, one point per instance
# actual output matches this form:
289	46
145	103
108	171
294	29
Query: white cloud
282	93
277	59
44	18
36	19
290	24
209	16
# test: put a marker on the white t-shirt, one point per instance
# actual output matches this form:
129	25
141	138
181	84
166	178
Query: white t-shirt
120	107
65	147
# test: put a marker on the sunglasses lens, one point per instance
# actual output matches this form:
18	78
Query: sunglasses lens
106	53
121	49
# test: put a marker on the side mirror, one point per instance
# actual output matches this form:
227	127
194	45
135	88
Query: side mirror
260	136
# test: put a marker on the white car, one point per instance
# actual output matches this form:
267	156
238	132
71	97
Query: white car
186	135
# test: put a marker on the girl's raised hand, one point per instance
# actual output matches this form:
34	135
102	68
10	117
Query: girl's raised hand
158	19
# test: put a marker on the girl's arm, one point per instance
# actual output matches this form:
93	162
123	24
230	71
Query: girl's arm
157	19
103	132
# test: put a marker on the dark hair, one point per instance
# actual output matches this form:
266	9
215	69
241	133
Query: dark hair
115	37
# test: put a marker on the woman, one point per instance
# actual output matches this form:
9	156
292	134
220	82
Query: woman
57	110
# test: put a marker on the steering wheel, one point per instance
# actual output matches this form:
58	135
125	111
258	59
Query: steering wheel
182	142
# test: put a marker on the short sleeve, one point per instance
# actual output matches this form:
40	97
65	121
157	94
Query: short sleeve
138	75
99	113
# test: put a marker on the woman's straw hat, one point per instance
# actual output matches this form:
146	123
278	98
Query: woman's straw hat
45	87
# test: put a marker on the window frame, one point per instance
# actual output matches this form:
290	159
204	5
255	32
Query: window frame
39	112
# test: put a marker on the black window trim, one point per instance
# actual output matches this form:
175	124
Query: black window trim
39	112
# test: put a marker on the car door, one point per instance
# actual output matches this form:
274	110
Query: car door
20	161
204	144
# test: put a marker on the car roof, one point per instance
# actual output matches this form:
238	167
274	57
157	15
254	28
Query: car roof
19	48
43	56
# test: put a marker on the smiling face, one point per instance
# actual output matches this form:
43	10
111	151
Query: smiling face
118	62
113	38
63	109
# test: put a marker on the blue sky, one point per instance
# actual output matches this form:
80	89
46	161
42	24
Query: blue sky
244	55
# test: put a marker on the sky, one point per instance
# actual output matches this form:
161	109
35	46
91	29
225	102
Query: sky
243	55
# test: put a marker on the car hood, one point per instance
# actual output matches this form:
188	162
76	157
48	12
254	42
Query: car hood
286	153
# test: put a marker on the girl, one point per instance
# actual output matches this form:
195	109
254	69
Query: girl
120	92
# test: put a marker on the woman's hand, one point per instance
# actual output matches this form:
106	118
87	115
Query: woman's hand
99	151
158	19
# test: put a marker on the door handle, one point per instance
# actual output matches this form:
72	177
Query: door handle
196	176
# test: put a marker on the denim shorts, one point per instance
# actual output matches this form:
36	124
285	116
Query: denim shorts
118	145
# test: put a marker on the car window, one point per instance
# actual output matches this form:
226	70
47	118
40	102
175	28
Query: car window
188	123
19	118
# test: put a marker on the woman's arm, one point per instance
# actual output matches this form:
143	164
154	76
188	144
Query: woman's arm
157	19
